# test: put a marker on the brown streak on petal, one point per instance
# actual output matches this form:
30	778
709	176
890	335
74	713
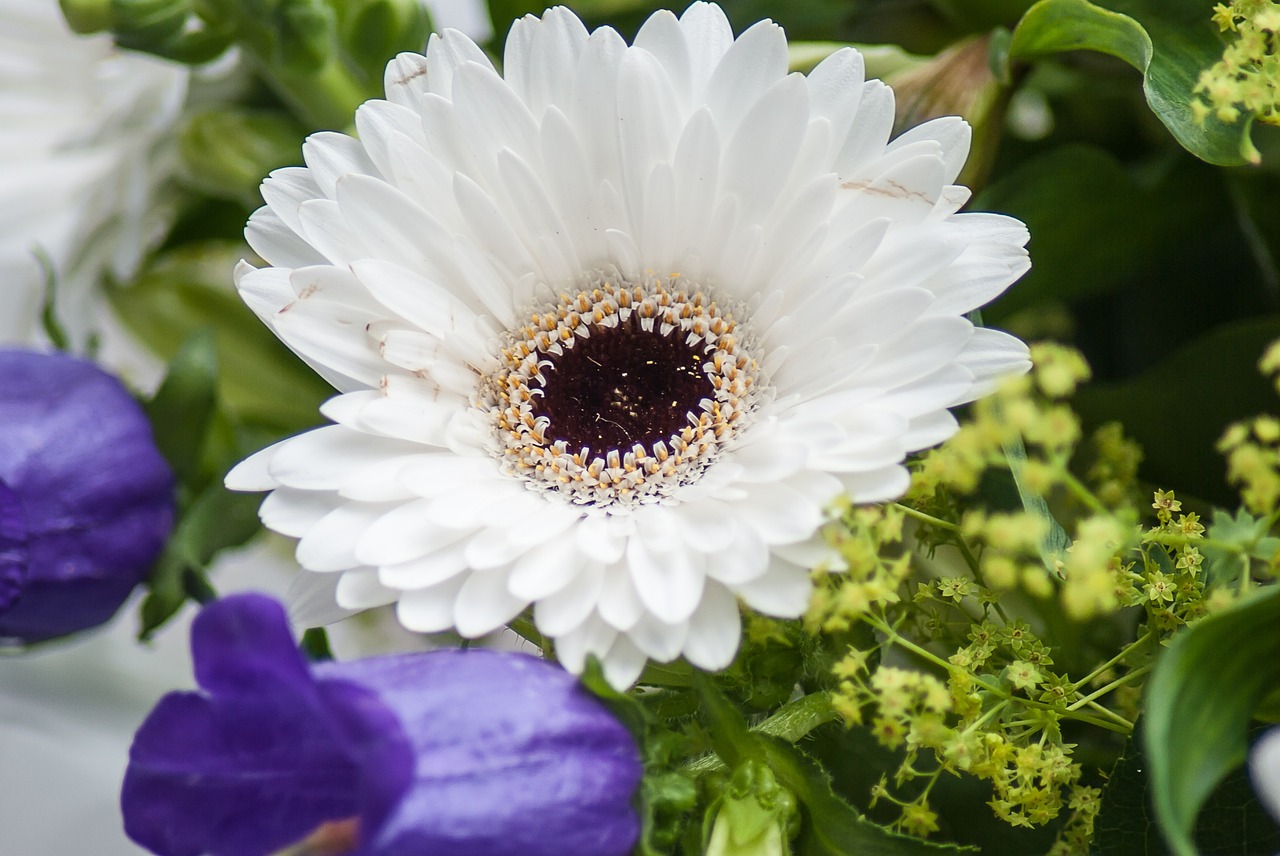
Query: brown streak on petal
894	189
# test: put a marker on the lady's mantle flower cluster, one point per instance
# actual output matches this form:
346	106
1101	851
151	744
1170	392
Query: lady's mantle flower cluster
987	698
1248	75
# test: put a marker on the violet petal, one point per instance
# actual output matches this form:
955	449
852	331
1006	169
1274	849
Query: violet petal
514	757
266	753
96	496
13	547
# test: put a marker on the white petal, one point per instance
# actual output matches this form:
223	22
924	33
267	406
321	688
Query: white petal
404	533
429	610
669	583
484	603
657	639
330	545
559	613
623	663
593	636
313	601
714	630
360	590
293	512
546	569
782	591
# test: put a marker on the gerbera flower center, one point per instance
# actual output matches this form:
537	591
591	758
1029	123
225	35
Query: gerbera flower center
620	393
622	386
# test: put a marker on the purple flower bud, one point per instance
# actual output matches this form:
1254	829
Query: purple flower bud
448	753
86	500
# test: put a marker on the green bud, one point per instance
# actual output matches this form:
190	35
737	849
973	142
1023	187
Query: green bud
959	81
305	40
227	152
754	816
87	16
374	31
145	24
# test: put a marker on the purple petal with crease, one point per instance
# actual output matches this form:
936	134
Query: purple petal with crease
266	753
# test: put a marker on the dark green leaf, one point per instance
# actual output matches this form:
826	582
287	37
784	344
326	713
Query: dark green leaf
182	407
216	520
1198	705
315	645
1092	228
1178	409
1169	49
1232	822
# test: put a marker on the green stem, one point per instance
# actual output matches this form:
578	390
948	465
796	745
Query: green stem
1124	653
791	722
1124	724
1082	492
927	518
1121	726
1116	684
324	99
797	718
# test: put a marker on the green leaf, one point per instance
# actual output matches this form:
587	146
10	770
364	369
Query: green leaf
189	288
216	520
832	827
1178	409
183	405
1092	228
1199	701
1232	822
1170	43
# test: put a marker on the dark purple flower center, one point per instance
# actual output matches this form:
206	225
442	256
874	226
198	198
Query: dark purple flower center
621	386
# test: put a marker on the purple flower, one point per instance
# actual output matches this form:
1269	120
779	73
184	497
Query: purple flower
448	753
86	500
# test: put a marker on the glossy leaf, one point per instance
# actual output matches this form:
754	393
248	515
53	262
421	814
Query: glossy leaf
1169	43
1199	702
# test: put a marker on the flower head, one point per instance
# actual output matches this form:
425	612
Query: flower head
451	752
86	500
83	152
613	328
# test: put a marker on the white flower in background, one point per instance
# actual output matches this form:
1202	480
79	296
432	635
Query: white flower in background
81	156
614	328
1264	769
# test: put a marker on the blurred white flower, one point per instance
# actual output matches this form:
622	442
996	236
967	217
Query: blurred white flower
84	146
467	16
1264	769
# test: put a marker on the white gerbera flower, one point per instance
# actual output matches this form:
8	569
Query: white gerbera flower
82	152
613	329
